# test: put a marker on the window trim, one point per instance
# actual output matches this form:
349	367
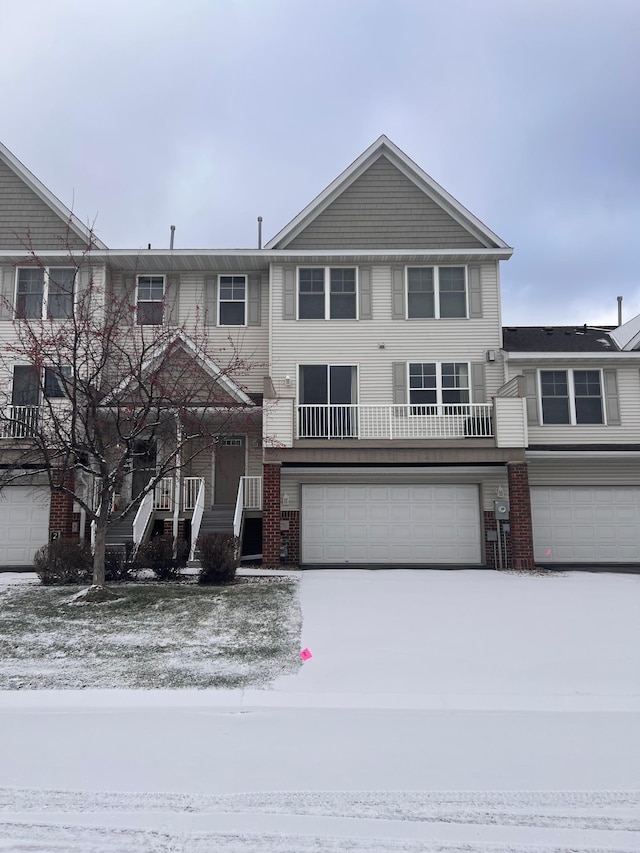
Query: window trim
44	301
573	422
436	291
245	301
439	403
327	292
151	301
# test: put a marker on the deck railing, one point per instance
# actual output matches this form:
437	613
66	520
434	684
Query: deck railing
20	421
190	490
163	494
408	421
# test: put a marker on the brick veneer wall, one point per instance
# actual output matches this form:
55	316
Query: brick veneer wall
520	516
271	514
61	513
291	537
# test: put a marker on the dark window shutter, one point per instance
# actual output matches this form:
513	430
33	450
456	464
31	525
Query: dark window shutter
7	282
531	390
253	301
612	402
475	291
398	311
128	297
172	301
289	294
399	383
364	281
478	389
210	297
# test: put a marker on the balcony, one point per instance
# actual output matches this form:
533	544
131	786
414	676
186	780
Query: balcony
20	422
395	422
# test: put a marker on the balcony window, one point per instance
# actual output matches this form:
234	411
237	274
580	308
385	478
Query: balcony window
433	385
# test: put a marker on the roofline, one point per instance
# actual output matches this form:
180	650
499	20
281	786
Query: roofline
569	356
49	198
323	199
501	253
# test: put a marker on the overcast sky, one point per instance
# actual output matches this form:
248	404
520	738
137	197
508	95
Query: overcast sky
207	113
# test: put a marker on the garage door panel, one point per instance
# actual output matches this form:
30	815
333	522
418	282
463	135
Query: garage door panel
24	523
586	524
391	524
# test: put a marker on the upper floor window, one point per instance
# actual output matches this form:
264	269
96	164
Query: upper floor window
436	292
432	384
571	397
45	292
232	300
150	300
327	293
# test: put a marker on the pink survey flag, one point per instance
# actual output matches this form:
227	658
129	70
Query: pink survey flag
305	654
548	554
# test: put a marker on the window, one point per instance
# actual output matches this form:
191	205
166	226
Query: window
571	397
432	385
150	300
45	293
55	382
232	300
328	394
436	292
317	302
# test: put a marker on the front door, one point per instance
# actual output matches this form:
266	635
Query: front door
229	467
144	465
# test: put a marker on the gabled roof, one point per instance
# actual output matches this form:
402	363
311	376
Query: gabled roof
559	339
46	196
385	147
203	360
627	336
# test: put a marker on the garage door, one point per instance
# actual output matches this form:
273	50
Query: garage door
24	523
365	524
586	524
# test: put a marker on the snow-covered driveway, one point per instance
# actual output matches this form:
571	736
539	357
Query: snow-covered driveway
440	711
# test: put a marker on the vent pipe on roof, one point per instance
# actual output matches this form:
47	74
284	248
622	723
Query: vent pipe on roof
259	232
619	310
173	233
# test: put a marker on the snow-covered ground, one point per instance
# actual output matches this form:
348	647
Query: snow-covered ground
441	711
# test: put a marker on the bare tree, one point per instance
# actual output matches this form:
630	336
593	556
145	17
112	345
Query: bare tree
97	383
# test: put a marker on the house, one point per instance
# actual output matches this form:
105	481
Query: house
386	420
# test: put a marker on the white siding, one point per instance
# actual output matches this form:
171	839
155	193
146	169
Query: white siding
510	418
295	342
278	423
584	472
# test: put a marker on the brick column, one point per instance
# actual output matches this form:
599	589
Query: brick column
520	516
271	514
61	508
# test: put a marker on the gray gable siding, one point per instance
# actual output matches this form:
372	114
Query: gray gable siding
383	209
26	220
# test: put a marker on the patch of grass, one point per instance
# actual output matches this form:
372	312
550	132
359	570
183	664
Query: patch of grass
155	636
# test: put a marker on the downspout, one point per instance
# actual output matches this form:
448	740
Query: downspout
177	498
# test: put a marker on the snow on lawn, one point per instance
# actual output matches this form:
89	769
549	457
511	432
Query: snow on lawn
155	635
461	712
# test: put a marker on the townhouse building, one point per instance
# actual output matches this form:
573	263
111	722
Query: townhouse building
383	416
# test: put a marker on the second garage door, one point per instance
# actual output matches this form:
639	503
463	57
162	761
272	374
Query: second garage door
581	524
373	524
24	523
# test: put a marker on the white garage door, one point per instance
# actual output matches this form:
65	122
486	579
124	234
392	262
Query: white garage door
24	523
390	524
586	524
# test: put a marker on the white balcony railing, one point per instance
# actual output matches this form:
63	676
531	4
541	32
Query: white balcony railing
163	494
20	421
451	420
190	489
252	489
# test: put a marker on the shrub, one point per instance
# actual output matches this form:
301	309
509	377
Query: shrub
118	565
63	561
157	555
218	557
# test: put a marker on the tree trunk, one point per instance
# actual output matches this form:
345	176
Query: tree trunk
100	545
